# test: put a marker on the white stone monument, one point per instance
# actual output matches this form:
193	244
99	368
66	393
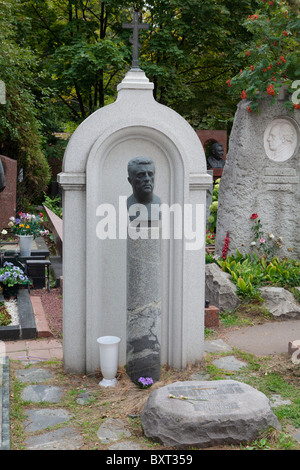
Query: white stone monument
94	180
262	176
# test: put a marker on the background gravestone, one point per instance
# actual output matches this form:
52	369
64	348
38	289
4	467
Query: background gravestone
261	176
8	196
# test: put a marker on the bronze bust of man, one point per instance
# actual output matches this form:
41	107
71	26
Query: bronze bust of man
141	172
216	158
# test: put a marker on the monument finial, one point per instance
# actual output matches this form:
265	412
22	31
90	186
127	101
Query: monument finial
135	39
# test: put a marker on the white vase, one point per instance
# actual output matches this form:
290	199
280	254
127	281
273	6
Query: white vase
109	357
25	244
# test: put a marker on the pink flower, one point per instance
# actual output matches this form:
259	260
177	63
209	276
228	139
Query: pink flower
262	240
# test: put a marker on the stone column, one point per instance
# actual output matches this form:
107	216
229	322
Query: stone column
74	272
144	304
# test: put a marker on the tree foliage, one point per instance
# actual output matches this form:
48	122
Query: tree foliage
62	59
187	52
20	133
272	54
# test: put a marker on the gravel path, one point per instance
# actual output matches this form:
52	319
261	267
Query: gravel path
53	307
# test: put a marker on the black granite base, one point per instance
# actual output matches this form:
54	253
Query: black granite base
27	327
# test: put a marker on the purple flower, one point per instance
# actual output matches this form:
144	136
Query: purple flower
145	382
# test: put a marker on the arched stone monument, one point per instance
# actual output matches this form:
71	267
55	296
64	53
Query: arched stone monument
95	190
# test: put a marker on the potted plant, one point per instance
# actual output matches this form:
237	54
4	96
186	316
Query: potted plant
27	227
11	278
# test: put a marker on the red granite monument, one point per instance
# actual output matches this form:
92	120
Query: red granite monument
8	196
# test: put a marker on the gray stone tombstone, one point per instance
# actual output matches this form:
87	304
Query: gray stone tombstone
206	413
95	223
261	176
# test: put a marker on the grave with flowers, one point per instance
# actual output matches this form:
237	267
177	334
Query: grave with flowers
257	249
262	177
20	271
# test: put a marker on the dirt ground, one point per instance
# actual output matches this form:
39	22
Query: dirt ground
126	400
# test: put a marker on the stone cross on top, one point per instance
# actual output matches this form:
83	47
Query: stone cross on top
135	40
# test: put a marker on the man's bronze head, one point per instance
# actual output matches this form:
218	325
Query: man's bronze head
141	177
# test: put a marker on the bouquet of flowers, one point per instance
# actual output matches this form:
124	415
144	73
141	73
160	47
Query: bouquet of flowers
145	382
28	224
11	275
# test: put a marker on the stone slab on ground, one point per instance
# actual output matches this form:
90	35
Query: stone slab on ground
4	404
42	393
125	445
229	363
33	375
294	432
277	400
61	439
112	430
212	413
216	345
43	418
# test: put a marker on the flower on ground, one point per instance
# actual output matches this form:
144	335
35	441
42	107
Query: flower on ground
4	232
253	243
262	240
145	382
254	216
225	246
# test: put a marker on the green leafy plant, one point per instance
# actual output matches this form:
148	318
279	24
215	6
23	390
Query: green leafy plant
249	273
53	204
212	220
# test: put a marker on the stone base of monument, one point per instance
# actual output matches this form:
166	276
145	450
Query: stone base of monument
206	413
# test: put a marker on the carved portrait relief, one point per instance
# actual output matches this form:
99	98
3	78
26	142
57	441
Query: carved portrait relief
281	139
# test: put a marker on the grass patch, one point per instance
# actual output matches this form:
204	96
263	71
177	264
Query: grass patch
246	314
